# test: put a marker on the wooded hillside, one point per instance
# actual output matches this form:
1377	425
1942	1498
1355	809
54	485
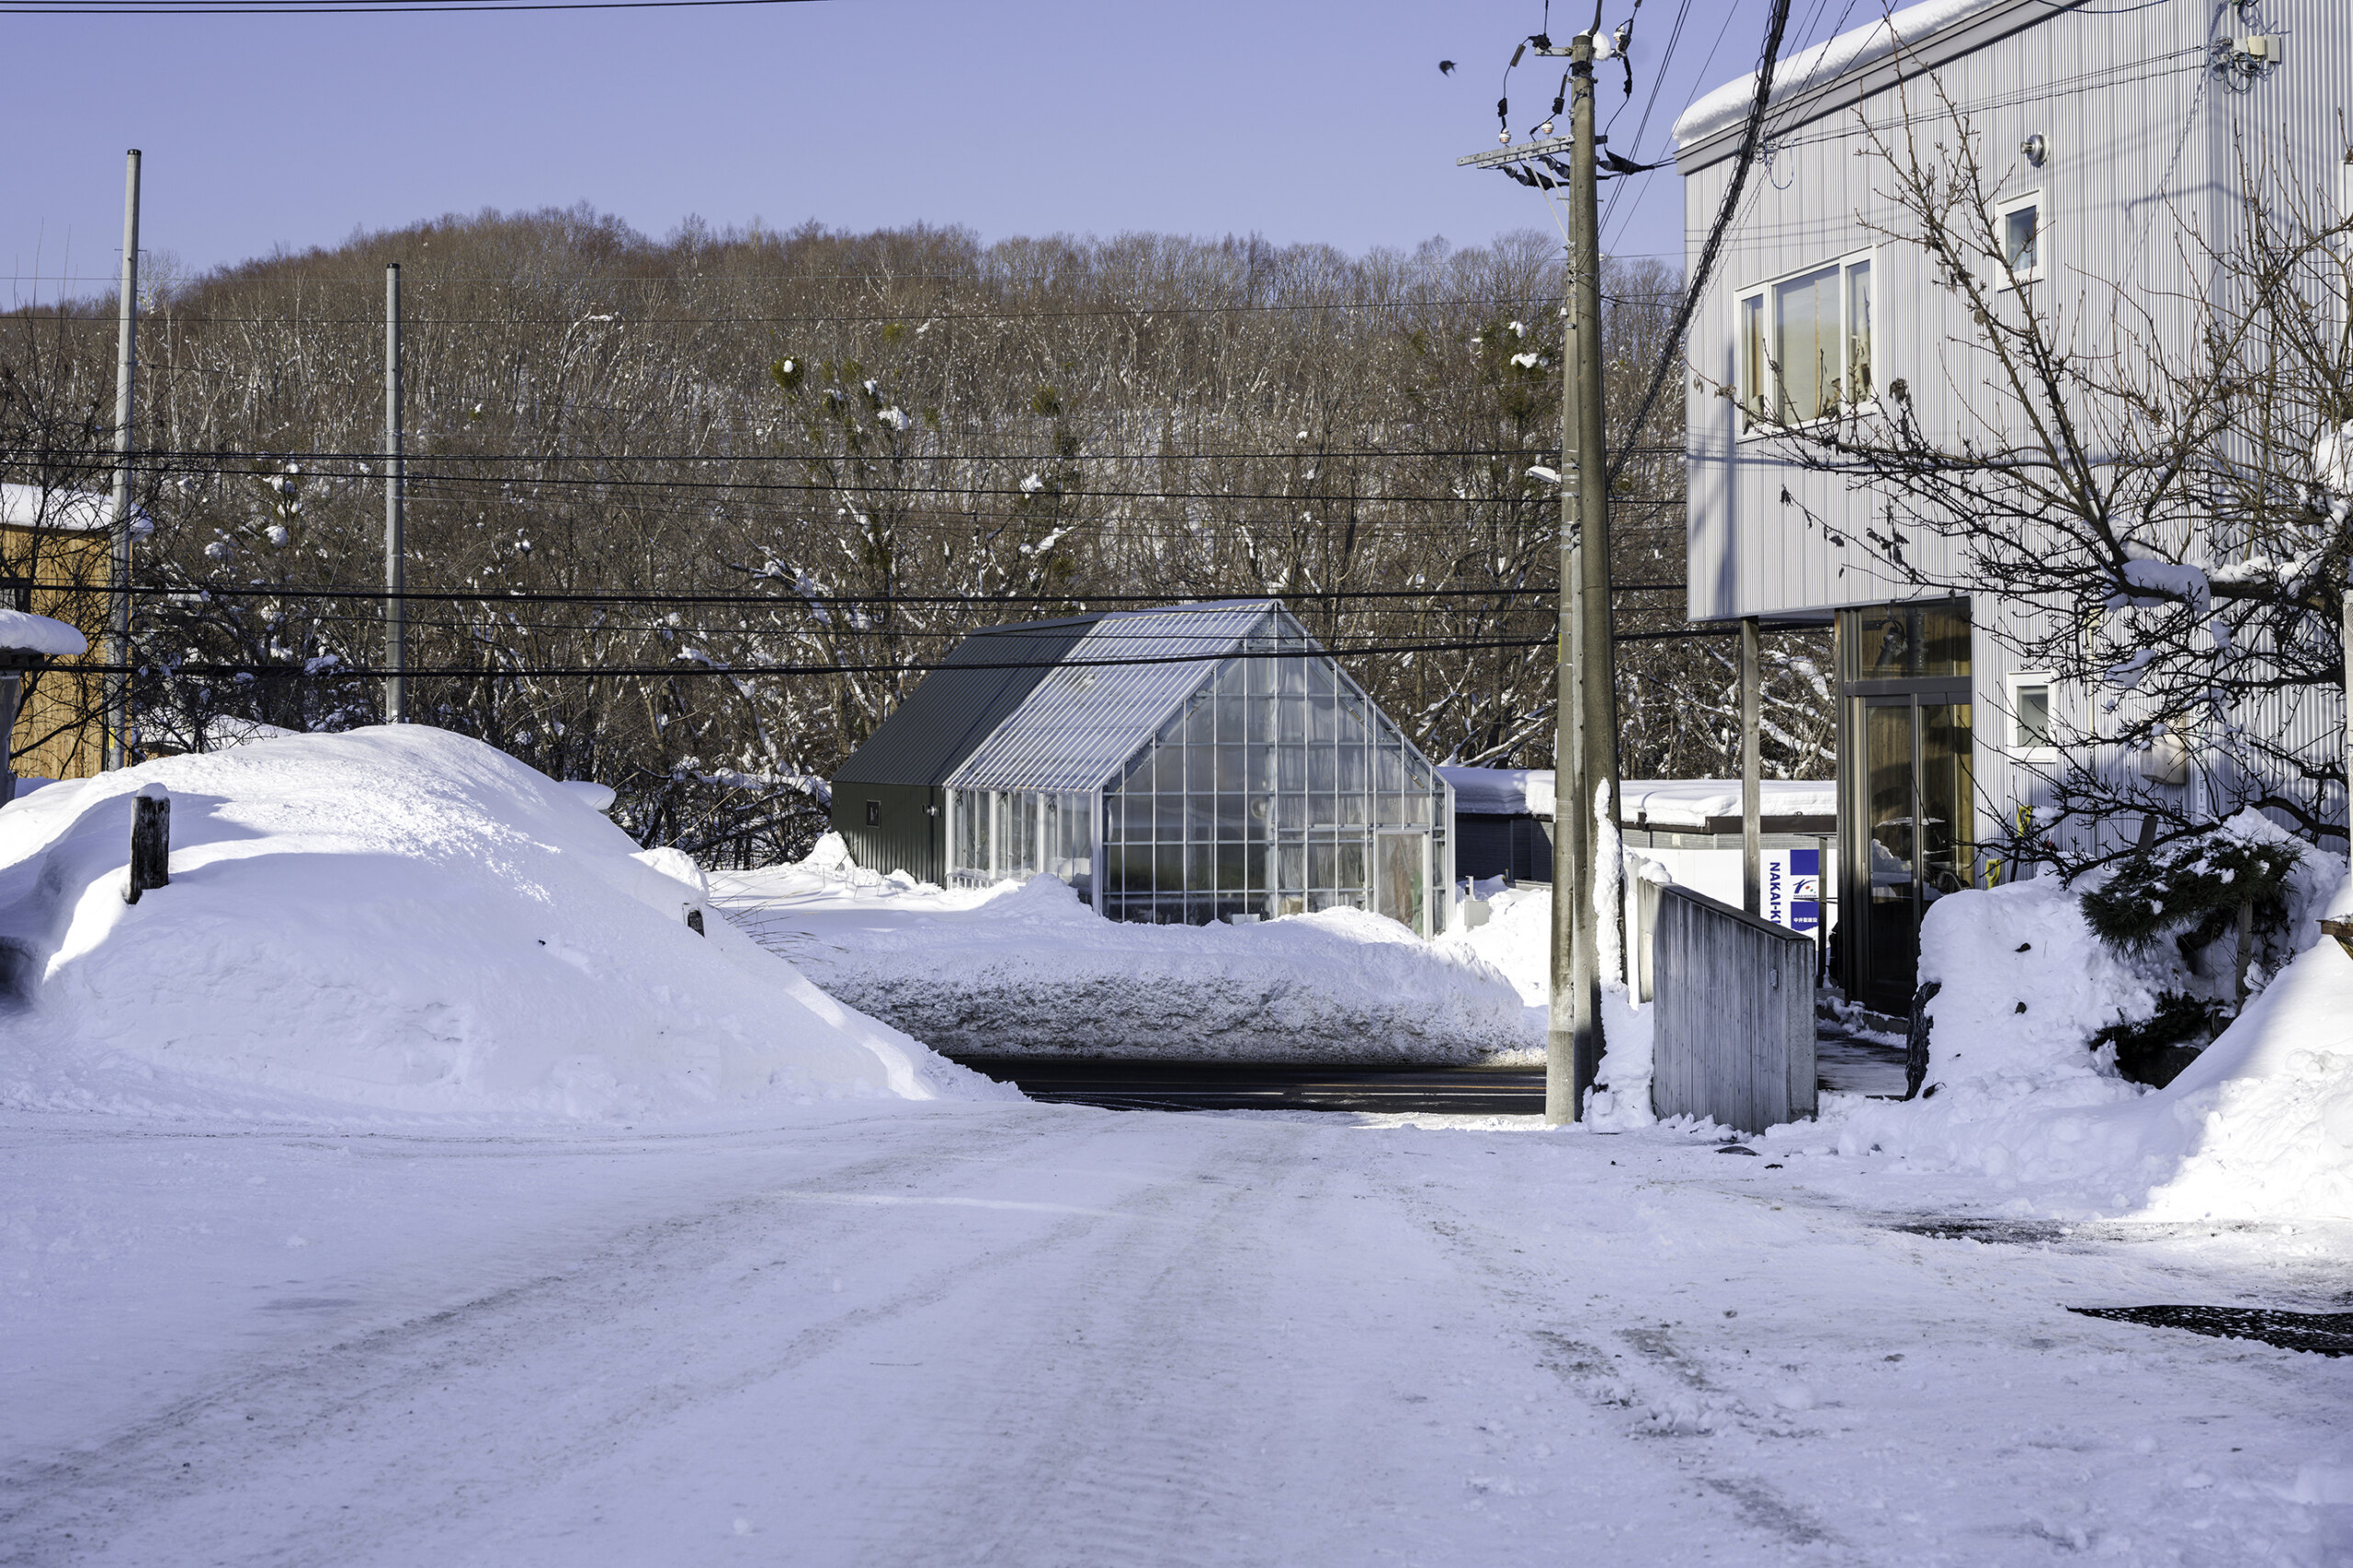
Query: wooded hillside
856	447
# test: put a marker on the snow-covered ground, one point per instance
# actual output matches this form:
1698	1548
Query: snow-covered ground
1022	1334
1028	968
407	1183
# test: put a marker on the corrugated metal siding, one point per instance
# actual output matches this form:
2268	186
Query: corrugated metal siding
910	836
2120	103
2145	145
1079	726
956	707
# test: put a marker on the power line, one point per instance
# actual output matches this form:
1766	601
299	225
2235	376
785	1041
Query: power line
339	671
335	670
476	596
165	317
169	462
407	8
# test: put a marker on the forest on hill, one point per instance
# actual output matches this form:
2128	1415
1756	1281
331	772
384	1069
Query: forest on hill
707	506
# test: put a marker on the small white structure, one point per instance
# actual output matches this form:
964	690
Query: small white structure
1689	826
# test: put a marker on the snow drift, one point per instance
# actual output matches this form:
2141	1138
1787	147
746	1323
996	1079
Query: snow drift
1027	969
405	918
2259	1127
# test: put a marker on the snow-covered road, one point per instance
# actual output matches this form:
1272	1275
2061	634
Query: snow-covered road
1033	1334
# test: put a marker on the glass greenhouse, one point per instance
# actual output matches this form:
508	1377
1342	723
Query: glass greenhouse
1207	762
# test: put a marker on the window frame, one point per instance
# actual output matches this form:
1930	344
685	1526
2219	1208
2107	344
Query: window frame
2005	276
2019	747
1763	379
2344	247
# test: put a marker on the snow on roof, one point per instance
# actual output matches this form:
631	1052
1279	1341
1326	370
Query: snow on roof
1501	791
24	634
31	506
1691	802
1810	68
1080	724
1643	802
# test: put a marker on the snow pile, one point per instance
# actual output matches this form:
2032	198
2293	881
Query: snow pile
2012	1087
23	632
2263	1119
1026	969
2259	1127
403	918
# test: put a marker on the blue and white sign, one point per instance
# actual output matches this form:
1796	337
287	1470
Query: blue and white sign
1793	889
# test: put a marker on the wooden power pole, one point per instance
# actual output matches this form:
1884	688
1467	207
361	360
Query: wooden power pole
1586	748
395	485
115	744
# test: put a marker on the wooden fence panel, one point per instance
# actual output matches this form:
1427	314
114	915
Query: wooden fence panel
1732	1031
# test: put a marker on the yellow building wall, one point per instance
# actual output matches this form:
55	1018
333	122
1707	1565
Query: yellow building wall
60	718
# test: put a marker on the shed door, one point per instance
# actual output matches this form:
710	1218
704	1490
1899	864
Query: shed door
1401	882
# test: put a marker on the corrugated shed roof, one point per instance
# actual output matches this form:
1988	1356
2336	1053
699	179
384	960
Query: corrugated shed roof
956	708
1073	729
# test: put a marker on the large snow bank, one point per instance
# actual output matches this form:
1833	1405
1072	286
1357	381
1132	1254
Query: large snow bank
2259	1127
1027	969
405	918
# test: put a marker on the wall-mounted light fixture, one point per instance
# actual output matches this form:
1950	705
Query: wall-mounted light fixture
2036	149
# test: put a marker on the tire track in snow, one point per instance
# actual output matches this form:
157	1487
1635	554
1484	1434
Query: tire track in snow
1093	1479
1658	1397
70	1508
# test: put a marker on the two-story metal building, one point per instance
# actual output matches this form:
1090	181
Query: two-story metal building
2107	133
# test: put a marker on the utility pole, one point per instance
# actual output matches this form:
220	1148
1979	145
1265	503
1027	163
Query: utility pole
1598	749
1752	770
1586	748
395	483
115	750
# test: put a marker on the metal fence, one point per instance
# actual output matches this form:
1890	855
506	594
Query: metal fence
1732	1033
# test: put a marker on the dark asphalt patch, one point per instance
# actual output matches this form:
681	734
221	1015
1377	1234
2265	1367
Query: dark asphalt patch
2323	1334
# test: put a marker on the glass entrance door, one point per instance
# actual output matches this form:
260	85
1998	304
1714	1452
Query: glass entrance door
1914	840
1402	882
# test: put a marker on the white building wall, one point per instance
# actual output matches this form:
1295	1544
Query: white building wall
2145	145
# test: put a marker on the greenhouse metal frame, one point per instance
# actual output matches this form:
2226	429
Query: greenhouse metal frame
1185	765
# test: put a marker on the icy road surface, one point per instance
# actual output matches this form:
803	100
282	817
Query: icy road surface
1035	1335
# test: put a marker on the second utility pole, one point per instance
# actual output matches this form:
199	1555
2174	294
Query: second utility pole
1587	797
395	482
115	735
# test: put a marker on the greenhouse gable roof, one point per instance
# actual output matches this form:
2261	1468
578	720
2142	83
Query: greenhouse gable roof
982	681
1114	689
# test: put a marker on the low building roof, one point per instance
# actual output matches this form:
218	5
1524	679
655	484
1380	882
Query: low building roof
1690	803
72	511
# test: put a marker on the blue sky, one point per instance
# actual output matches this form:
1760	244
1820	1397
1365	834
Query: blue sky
1301	120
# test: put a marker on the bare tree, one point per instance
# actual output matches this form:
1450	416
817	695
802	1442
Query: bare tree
2150	483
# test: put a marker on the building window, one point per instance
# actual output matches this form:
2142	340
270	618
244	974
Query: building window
2345	241
874	814
1805	345
2030	718
2018	226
